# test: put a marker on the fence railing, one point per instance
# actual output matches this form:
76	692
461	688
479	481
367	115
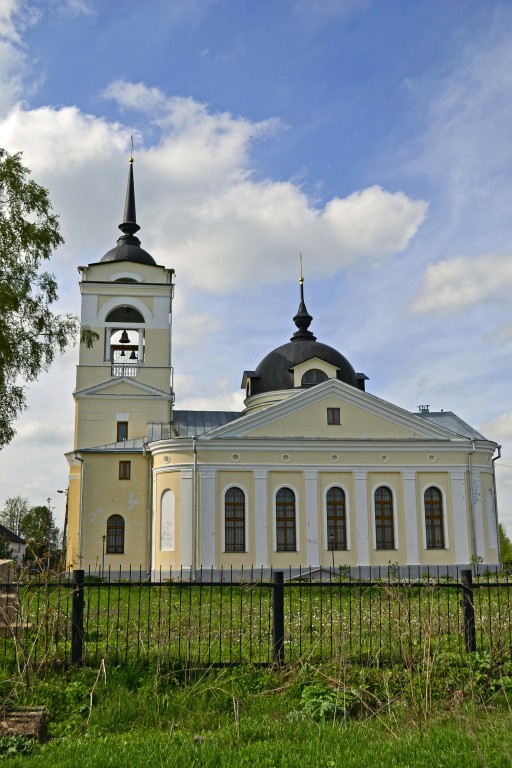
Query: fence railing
81	618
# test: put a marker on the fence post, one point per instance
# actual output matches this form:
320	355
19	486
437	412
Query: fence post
278	616
77	618
468	606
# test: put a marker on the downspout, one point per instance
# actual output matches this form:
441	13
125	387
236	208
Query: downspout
495	458
472	504
81	511
150	513
194	506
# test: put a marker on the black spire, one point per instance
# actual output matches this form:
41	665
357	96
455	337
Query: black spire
302	319
128	246
129	226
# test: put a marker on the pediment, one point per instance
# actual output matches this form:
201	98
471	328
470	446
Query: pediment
122	387
304	415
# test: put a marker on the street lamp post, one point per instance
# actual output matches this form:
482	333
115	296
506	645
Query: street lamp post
65	532
103	539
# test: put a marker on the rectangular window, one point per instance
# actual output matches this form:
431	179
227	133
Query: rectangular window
122	431
125	470
333	416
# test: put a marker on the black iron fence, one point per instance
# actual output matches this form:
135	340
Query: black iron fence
81	618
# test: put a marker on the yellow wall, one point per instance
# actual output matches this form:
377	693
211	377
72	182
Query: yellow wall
105	495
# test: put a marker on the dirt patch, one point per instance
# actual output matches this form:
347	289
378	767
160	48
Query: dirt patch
23	721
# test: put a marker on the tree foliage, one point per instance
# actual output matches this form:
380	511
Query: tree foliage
30	332
505	545
15	508
5	549
41	534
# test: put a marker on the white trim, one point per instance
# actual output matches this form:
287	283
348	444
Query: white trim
246	518
445	518
362	529
412	533
124	301
419	427
312	518
261	513
118	277
385	484
492	533
347	517
297	518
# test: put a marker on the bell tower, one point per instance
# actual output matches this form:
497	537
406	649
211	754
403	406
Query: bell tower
123	382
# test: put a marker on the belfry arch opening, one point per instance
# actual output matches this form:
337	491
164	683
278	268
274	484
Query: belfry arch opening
124	314
124	340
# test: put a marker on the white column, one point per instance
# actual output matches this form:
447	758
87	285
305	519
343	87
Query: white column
361	518
478	513
260	518
461	532
186	517
412	534
153	520
311	518
207	518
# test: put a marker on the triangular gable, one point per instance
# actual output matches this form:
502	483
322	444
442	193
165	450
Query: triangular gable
125	387
312	362
363	416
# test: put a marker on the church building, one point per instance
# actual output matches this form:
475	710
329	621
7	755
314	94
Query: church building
314	472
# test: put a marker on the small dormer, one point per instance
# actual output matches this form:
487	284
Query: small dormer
313	371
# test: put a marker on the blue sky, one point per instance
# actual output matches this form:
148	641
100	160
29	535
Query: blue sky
375	137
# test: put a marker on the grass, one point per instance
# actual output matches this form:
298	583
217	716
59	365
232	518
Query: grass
378	677
204	624
263	719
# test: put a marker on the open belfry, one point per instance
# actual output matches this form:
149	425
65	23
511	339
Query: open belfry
315	472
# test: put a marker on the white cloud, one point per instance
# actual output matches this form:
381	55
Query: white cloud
136	96
227	230
192	326
499	428
459	283
73	7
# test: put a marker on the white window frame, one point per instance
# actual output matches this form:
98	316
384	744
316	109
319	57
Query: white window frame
246	521
347	517
297	519
391	487
445	517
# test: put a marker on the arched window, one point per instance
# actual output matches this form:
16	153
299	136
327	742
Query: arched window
336	519
312	377
234	520
384	524
115	535
434	519
286	534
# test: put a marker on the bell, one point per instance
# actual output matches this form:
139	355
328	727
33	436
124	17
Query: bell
133	356
125	339
122	353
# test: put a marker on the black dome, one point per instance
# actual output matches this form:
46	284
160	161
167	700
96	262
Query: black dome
274	372
124	251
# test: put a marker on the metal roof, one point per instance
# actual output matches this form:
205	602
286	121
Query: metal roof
191	424
130	446
451	421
